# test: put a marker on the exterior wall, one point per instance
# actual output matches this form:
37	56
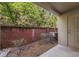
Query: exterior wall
10	34
68	29
62	30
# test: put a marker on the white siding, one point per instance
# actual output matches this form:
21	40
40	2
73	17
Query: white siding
68	29
62	30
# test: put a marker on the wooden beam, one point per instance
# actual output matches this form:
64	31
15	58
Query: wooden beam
53	8
69	10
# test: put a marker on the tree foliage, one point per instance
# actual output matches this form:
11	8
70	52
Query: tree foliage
25	14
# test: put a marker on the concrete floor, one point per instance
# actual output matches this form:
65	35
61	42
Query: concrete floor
61	51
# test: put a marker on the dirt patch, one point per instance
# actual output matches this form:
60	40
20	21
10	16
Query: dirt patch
31	50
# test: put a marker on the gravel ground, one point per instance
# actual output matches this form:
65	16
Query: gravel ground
31	50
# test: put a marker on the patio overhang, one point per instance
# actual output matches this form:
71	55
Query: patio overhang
59	7
68	28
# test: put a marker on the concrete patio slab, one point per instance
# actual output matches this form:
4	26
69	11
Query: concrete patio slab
61	51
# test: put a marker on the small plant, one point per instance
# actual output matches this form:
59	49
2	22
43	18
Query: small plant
18	44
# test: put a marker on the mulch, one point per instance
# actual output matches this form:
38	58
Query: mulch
31	50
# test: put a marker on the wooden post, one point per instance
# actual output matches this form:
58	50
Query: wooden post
33	34
0	36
